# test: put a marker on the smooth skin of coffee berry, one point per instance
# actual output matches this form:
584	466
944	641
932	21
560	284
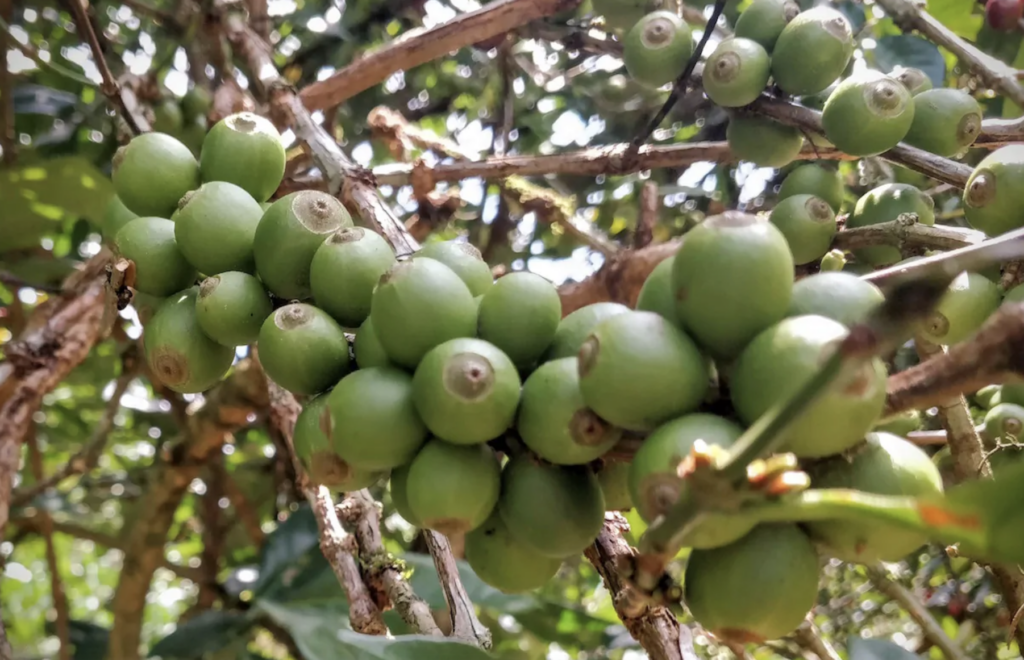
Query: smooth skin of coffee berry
288	236
115	216
373	421
244	149
780	360
573	329
160	267
466	391
966	305
762	141
946	121
555	510
994	193
504	563
758	588
367	348
1004	424
885	204
887	465
232	307
808	224
915	80
621	15
654	482
418	305
555	422
656	49
737	72
812	51
152	172
640	384
839	296
398	486
656	293
732	277
314	450
215	228
345	270
303	349
868	113
465	260
900	424
764	20
812	179
520	315
453	489
178	354
613	476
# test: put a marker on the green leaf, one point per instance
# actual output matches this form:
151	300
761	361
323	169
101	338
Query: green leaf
37	197
90	641
320	635
957	15
291	540
209	631
878	649
910	51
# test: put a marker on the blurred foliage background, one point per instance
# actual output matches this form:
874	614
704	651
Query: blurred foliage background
274	594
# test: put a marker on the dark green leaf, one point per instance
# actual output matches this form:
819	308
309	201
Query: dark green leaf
957	15
90	641
292	539
209	631
36	197
322	634
878	649
910	51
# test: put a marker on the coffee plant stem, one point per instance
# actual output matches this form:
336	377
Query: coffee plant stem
109	86
930	628
428	45
998	75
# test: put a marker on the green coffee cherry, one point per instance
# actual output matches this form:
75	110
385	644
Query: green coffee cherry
160	267
737	72
215	228
946	121
152	172
244	149
764	20
885	204
657	48
868	113
994	193
813	179
178	354
232	307
762	141
345	270
303	349
812	51
808	224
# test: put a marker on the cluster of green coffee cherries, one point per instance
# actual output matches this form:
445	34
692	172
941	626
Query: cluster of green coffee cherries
802	53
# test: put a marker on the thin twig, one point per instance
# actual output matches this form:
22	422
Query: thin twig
60	601
999	75
930	628
465	625
650	200
109	85
680	84
88	455
808	637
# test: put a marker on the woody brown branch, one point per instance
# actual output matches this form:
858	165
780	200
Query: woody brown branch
419	47
59	336
655	628
227	408
360	515
60	602
335	544
356	186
